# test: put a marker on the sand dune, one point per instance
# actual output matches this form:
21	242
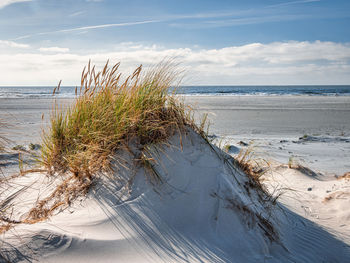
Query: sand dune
200	212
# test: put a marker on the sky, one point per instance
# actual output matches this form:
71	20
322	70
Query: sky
216	42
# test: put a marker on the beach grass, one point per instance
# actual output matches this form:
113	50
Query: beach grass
108	113
3	142
254	165
107	116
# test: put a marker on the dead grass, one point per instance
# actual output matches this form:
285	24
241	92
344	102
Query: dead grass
107	115
251	218
254	166
4	226
344	176
293	163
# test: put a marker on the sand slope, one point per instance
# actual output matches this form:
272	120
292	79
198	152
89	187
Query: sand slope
202	211
322	199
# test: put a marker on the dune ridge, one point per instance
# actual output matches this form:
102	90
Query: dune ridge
201	212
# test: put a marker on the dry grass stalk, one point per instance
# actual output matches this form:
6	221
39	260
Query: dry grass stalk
254	166
251	163
4	226
63	195
344	176
106	116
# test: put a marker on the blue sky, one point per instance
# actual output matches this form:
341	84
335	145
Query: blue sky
218	42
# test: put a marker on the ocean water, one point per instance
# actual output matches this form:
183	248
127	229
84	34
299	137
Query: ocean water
69	92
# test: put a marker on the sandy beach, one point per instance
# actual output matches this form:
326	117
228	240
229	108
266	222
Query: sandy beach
313	131
275	116
260	116
275	123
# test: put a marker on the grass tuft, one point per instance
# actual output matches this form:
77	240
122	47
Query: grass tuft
108	113
255	166
252	164
107	116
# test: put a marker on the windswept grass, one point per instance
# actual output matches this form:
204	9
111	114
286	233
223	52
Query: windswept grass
107	116
3	142
254	166
108	113
252	163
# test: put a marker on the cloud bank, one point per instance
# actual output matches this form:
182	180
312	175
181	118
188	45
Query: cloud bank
12	44
277	63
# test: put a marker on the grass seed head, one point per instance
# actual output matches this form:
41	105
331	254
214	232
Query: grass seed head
108	112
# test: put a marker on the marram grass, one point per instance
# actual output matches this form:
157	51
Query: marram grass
108	113
107	116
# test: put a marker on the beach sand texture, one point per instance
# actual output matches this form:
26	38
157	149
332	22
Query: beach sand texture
230	115
198	213
266	120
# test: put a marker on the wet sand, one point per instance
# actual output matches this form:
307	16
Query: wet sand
229	115
275	115
24	117
275	123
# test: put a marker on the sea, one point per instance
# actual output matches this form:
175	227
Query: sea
307	90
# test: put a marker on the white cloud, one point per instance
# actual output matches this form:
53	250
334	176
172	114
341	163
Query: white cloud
4	3
54	49
257	64
12	44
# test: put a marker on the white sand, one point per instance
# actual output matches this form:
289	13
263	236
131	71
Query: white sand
275	124
201	212
323	200
182	219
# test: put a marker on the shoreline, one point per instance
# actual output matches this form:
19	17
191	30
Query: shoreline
267	120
